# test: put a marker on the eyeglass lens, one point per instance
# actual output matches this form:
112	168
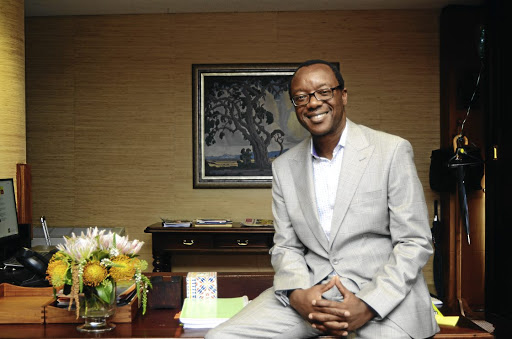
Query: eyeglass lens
321	94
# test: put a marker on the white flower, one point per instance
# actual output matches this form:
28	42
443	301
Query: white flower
136	245
81	247
107	241
78	248
114	252
125	246
93	232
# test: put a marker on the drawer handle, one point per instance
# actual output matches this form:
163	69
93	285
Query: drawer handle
188	243
240	243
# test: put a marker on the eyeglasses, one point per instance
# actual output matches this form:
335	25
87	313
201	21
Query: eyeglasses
321	94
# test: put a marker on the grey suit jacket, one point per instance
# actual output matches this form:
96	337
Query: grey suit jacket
380	233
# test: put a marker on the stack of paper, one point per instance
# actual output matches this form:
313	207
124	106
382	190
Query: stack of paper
208	313
257	222
213	223
176	223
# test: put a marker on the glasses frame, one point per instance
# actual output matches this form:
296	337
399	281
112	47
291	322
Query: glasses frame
314	94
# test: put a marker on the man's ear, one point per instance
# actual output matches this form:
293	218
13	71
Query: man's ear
344	96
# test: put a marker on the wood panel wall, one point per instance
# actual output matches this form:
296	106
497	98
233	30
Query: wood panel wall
12	88
109	106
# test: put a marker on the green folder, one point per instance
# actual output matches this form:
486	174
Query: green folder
208	313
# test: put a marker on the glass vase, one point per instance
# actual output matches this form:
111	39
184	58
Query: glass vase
97	304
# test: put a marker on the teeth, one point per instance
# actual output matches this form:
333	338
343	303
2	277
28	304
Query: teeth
318	116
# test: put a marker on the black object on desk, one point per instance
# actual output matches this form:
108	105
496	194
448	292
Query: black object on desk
166	292
27	268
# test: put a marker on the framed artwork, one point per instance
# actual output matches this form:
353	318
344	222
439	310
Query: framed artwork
243	119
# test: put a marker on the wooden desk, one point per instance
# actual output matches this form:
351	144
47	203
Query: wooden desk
239	239
163	323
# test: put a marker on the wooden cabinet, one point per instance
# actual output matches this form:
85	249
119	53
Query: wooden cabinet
238	239
461	66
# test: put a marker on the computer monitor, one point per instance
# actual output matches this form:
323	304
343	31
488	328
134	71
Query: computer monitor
8	215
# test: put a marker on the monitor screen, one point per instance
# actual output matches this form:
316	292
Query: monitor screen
8	215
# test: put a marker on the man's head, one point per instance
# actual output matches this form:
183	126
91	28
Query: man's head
334	69
318	92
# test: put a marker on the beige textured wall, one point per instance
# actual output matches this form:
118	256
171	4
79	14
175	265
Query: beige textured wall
109	106
12	87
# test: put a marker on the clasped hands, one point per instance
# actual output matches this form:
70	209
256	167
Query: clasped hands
332	317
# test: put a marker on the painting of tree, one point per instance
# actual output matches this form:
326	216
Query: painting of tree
238	106
244	120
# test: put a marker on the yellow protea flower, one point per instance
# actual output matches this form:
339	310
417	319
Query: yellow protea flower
57	270
58	256
124	268
94	273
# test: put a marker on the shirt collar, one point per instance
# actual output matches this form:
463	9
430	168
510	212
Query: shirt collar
341	143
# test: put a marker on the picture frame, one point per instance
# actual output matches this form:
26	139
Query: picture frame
242	119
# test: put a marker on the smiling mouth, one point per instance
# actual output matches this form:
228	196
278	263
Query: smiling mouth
317	117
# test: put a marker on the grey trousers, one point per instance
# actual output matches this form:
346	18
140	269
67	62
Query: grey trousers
265	317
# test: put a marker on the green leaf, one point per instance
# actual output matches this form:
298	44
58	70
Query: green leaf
105	291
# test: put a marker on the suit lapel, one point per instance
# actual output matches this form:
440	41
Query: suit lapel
356	156
306	190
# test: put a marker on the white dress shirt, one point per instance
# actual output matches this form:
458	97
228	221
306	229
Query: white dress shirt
326	174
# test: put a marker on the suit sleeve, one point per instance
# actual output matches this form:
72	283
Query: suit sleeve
287	254
410	236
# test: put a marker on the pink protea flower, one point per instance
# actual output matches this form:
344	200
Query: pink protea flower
78	248
127	247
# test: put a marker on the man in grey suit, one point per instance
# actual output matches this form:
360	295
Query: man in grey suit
352	230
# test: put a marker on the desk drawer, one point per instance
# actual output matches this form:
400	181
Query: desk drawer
188	242
242	241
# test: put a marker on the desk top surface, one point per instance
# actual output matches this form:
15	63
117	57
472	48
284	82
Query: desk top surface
164	323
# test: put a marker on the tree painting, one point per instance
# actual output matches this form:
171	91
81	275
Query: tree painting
243	120
235	107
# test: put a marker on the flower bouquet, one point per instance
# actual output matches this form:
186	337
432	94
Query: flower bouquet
87	268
